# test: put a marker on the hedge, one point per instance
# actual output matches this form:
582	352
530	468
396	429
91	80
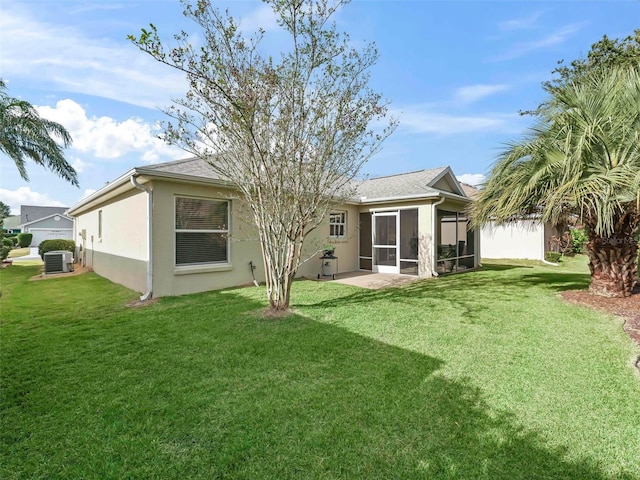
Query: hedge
24	239
56	244
553	257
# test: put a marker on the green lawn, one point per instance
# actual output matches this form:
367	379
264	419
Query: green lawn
485	375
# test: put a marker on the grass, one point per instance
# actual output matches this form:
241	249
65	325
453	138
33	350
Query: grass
18	252
486	375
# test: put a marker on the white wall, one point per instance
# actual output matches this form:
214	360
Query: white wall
42	234
521	240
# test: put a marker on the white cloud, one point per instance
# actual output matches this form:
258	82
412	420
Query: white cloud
522	23
77	164
559	36
74	61
416	120
473	93
262	18
474	179
25	196
87	192
106	138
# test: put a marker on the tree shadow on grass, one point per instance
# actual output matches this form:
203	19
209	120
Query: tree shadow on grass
303	398
201	387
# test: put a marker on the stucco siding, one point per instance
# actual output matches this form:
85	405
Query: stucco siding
521	240
117	250
244	245
346	248
169	279
126	271
124	227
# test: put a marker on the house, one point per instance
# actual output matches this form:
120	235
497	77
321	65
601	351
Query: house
30	213
54	226
177	228
44	223
11	225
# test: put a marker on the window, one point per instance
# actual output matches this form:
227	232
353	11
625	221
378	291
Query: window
99	224
338	224
202	231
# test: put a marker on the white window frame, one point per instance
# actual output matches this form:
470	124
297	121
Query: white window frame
338	220
222	231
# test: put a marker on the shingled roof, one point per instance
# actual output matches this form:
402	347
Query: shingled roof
401	185
412	184
192	167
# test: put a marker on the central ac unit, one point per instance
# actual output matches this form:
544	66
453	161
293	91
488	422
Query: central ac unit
58	261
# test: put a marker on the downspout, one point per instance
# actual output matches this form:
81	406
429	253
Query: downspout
433	235
149	190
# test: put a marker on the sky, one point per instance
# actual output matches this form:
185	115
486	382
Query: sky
455	73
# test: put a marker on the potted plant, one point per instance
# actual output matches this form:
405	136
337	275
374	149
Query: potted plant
447	252
328	250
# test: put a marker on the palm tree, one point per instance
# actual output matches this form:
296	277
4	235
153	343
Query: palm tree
23	134
582	159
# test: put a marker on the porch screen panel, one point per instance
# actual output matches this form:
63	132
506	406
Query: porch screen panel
409	234
385	233
386	257
366	253
202	231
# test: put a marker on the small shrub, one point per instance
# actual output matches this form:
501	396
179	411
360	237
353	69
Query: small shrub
4	252
13	238
553	257
56	244
7	242
579	239
24	239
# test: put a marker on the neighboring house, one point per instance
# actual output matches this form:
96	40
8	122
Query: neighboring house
177	228
11	225
30	213
527	239
54	226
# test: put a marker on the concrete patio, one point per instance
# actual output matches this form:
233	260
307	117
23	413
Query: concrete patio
373	281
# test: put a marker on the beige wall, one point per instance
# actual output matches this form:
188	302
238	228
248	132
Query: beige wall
244	245
425	245
346	248
121	253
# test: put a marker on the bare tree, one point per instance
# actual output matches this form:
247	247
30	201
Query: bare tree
290	132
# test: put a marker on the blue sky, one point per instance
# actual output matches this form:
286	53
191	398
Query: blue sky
456	73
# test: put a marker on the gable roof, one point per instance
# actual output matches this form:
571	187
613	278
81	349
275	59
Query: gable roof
422	183
11	222
471	191
189	167
46	218
29	213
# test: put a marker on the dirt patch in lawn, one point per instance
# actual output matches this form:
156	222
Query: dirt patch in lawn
77	270
137	303
628	308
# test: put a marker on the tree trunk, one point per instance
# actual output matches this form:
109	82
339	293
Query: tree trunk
613	260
